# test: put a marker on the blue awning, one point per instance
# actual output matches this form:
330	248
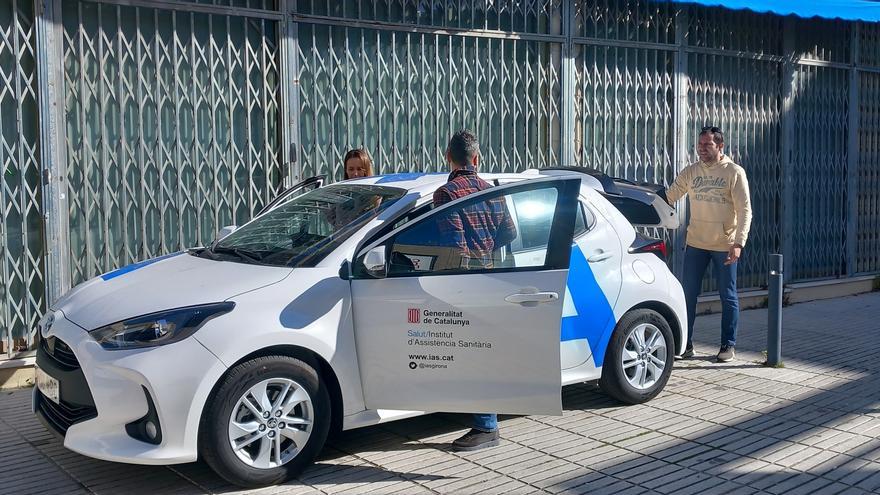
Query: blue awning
849	10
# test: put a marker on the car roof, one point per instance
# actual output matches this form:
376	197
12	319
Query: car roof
425	183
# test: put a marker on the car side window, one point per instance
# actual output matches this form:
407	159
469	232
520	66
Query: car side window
534	217
585	220
525	215
478	235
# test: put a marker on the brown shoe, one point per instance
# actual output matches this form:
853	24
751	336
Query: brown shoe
476	440
726	354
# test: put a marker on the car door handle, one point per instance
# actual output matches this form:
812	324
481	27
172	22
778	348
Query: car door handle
600	256
531	298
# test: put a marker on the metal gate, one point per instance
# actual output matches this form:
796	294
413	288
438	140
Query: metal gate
867	223
172	120
735	82
22	283
151	126
399	79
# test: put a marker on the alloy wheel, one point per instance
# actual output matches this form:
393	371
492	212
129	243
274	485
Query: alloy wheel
271	423
644	356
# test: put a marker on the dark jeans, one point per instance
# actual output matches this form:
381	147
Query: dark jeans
695	262
485	422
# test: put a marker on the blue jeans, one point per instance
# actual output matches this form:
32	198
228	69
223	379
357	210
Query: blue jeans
695	262
485	422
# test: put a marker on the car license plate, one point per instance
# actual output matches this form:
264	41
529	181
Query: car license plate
48	386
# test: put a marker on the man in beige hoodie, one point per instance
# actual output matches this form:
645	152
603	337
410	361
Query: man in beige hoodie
720	216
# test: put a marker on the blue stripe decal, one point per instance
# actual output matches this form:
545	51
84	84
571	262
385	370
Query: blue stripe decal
404	177
136	266
398	177
594	318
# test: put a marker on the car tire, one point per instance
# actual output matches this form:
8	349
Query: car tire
229	418
629	373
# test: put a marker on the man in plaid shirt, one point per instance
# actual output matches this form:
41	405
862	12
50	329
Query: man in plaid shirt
478	230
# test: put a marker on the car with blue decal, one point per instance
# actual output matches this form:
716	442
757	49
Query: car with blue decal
346	305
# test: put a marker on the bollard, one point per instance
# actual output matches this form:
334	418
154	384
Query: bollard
774	312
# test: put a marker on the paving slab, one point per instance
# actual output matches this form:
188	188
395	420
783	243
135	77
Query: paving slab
811	427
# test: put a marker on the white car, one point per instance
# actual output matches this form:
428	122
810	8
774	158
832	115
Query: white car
352	304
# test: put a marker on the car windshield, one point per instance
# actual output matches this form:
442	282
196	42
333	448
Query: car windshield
303	231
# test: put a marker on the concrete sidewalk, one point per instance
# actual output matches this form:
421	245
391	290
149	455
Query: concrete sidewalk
738	428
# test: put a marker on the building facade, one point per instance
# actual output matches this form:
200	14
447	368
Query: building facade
133	128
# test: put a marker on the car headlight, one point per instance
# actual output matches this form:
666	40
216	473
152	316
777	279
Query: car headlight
159	328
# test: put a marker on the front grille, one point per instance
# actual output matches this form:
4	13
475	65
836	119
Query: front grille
63	415
60	352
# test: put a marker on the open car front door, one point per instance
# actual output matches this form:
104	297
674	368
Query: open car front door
294	191
443	324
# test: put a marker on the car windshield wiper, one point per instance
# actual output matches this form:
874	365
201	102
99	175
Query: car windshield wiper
243	254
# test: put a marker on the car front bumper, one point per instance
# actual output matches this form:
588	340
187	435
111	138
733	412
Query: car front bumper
103	393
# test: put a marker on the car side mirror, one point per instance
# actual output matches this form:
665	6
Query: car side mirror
345	270
225	231
375	263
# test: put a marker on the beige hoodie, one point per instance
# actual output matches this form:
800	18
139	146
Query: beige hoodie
721	212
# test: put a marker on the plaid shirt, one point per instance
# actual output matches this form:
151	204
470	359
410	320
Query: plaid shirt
478	229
